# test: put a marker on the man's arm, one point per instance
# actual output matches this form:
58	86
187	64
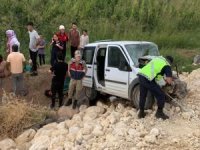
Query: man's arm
85	67
168	74
37	38
69	69
59	46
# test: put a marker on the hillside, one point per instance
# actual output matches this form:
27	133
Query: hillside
172	24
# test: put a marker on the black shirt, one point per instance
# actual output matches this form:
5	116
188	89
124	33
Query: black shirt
56	48
60	70
167	71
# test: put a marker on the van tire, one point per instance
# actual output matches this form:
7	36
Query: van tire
135	98
91	94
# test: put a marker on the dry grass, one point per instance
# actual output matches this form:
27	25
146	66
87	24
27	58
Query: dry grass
17	114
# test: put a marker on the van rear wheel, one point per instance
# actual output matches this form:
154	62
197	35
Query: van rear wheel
135	98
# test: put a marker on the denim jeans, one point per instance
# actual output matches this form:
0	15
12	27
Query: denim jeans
18	83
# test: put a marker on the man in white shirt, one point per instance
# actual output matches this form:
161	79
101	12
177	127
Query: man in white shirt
84	40
34	38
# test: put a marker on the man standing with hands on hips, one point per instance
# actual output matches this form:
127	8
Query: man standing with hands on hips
76	70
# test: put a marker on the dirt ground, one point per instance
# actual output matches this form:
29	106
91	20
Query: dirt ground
181	131
36	86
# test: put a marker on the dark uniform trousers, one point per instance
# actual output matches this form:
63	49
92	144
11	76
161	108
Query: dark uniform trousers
154	88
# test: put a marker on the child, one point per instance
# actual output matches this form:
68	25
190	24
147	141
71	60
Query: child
27	67
41	49
59	70
84	40
57	47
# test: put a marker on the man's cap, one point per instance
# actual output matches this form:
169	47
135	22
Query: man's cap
77	53
61	27
170	59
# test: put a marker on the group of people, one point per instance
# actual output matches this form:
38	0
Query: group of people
75	69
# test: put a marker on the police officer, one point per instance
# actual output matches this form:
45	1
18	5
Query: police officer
157	69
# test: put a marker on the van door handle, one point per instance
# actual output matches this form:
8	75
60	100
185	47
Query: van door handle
107	70
89	67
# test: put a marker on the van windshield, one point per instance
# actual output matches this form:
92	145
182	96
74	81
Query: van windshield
139	50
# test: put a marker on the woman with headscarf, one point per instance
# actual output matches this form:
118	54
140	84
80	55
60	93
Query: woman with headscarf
11	40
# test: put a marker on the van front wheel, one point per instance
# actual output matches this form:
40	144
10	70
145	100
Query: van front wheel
135	98
91	94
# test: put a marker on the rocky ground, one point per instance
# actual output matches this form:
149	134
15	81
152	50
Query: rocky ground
117	127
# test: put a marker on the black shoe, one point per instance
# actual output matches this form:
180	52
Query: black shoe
69	102
161	114
74	104
60	104
34	74
141	114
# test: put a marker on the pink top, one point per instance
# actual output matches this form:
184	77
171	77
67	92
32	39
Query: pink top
12	39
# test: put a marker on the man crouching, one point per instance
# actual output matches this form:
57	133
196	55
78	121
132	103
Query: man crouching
149	75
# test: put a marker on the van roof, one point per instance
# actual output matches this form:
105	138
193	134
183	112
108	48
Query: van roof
117	43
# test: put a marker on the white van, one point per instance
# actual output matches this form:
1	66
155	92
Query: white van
113	67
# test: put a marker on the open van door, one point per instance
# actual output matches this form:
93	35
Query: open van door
88	56
117	71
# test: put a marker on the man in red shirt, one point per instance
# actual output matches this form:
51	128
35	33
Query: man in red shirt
63	37
74	38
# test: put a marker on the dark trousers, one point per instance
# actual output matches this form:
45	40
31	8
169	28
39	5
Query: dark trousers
57	88
64	51
41	59
73	49
33	56
154	88
53	57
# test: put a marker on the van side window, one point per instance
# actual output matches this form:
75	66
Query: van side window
88	54
116	58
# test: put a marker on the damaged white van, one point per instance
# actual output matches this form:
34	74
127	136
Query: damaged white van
113	67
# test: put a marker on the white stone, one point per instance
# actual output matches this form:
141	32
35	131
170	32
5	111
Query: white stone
178	109
150	139
40	143
87	128
7	144
120	108
26	136
82	108
132	132
68	145
187	115
61	125
154	132
74	130
57	142
24	146
79	138
114	117
50	126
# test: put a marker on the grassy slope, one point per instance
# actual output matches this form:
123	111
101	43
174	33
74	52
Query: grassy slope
172	24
